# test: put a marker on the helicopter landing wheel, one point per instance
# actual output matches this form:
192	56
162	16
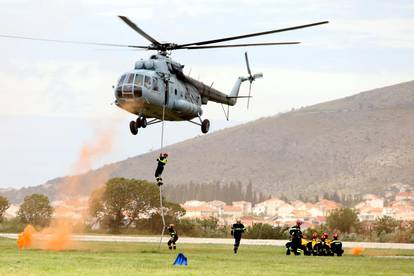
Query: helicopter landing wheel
141	122
138	122
205	126
133	127
144	122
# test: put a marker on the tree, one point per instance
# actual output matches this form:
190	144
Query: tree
266	231
153	224
35	210
4	205
385	224
122	203
344	220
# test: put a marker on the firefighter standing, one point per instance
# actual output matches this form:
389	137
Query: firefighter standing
236	231
162	161
296	238
336	246
174	236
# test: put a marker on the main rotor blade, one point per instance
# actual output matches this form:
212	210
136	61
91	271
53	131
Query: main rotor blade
138	30
253	34
237	45
72	42
247	64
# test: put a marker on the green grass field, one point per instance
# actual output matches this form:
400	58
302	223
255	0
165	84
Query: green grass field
98	258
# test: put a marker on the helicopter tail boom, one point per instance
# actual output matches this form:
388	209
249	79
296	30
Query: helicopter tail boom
234	94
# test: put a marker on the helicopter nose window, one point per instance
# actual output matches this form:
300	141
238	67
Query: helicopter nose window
121	80
138	80
130	79
147	82
127	86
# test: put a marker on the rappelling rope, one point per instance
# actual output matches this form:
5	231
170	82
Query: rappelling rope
162	208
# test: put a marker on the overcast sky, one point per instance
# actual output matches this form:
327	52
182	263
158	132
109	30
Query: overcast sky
54	97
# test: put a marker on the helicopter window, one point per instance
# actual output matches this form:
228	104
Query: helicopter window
121	80
130	78
155	84
138	80
147	82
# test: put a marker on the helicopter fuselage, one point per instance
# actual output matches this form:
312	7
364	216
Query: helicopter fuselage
152	84
143	92
160	82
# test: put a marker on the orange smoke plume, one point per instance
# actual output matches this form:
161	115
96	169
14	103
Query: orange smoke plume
90	152
58	236
356	251
25	238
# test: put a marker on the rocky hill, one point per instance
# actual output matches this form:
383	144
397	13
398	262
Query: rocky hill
358	144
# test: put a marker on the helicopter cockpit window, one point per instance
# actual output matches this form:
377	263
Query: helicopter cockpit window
127	86
147	82
130	79
155	84
121	80
138	80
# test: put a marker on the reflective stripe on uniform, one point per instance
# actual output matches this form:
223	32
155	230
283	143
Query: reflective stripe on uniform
164	161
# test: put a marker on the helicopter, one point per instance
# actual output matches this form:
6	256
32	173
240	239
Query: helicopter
157	90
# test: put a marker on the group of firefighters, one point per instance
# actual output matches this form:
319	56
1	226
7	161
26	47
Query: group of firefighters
298	242
316	246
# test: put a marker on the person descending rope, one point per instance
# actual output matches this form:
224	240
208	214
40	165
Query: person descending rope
174	236
236	231
162	161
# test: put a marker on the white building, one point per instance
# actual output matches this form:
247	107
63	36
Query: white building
200	211
232	211
194	203
245	206
268	207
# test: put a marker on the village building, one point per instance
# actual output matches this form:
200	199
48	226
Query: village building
245	206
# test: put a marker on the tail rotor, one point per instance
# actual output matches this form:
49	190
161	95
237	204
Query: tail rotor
250	78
